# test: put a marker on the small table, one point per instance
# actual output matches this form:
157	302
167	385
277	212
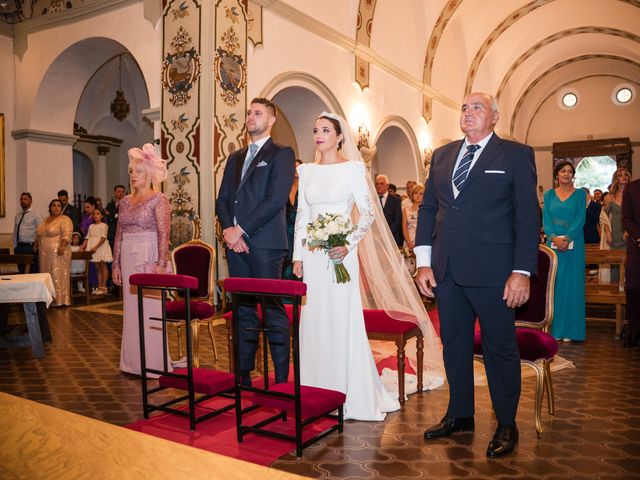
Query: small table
35	291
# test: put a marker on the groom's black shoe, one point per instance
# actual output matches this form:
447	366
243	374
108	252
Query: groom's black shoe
449	425
504	441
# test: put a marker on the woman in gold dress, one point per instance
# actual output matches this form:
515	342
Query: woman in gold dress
54	236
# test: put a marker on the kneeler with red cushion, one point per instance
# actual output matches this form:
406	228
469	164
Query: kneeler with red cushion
306	404
381	326
209	383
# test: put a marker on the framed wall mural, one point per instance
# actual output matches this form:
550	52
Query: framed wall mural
2	189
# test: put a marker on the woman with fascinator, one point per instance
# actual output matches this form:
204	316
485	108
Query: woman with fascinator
142	246
335	352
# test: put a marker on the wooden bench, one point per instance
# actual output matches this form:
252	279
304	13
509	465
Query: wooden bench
606	293
13	260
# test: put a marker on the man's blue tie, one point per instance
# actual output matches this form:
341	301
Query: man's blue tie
253	149
461	173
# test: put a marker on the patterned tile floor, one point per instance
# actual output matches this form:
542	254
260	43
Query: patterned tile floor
595	433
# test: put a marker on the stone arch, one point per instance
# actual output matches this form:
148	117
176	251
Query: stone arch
301	98
398	153
58	94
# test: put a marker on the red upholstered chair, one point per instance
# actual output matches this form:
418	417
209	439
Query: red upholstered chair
307	404
380	326
196	259
533	322
208	383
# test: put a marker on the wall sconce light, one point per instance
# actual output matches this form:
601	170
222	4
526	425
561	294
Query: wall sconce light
363	136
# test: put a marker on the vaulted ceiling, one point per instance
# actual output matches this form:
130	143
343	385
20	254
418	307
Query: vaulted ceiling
522	51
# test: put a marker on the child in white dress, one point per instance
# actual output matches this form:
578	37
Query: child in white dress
96	242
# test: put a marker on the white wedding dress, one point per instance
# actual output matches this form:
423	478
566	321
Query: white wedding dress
334	349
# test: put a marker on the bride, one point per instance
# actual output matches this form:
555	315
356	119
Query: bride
335	352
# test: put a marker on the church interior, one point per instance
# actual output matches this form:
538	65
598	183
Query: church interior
82	81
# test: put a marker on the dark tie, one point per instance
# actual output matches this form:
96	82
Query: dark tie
18	230
253	149
381	197
461	173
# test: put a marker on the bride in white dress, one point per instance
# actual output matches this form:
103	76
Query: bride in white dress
334	349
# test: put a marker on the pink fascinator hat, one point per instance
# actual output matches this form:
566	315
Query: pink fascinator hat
156	166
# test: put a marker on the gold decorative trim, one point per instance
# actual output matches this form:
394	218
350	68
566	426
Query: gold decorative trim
364	26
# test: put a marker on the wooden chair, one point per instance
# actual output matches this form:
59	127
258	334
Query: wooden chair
533	323
307	404
196	258
82	276
380	326
607	293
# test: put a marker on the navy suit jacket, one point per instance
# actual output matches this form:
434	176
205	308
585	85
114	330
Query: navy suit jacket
393	214
257	201
493	226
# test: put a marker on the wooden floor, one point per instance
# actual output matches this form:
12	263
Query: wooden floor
594	434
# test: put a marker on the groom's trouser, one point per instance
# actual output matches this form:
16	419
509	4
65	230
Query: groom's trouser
458	308
261	263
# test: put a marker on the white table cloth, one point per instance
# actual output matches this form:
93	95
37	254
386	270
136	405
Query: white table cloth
27	288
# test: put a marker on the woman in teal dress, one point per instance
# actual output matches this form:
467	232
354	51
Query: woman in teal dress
563	217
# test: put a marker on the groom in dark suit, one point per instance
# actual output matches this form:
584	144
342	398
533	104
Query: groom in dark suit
476	246
251	209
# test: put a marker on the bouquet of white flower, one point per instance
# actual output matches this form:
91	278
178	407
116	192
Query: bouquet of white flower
330	230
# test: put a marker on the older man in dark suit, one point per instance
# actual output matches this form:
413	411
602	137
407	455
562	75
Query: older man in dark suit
476	246
251	209
631	224
391	206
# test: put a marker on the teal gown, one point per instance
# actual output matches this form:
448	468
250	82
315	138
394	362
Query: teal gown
567	218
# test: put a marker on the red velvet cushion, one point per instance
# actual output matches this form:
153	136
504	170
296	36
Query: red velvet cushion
194	260
377	321
199	310
533	344
315	401
163	280
205	380
265	285
288	308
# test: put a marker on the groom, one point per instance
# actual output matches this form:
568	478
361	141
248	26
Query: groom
251	209
476	245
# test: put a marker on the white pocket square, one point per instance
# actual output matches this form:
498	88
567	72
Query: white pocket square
262	164
494	171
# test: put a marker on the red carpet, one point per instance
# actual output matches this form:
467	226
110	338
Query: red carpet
218	434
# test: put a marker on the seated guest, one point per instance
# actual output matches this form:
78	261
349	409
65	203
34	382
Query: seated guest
592	220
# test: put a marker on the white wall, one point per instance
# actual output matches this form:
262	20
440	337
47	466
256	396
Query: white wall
13	183
594	117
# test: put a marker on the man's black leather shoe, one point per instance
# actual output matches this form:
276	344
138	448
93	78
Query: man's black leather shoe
449	425
503	442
